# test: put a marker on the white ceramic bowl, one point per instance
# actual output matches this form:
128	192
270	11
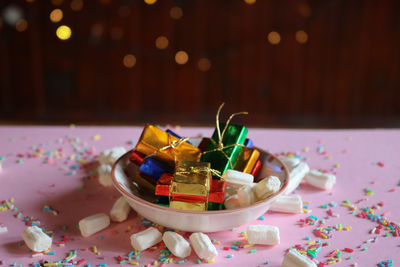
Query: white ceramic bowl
196	221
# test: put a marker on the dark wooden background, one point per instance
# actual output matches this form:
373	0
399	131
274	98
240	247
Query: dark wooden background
346	74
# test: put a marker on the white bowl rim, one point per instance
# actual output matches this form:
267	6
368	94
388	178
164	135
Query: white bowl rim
153	205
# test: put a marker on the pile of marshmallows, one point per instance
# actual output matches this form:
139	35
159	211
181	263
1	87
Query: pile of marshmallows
38	241
241	192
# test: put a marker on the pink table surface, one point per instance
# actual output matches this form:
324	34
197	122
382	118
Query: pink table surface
34	184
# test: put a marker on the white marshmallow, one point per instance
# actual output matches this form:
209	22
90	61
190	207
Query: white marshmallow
246	195
320	180
236	178
104	172
177	244
120	210
93	224
146	238
288	204
294	259
232	202
290	162
230	191
296	176
3	229
36	239
263	234
267	187
109	156
202	246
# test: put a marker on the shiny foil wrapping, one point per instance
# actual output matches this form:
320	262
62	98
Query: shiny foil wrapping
153	139
247	159
234	134
191	179
183	205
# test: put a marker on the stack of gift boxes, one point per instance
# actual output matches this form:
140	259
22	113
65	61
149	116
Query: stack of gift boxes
184	176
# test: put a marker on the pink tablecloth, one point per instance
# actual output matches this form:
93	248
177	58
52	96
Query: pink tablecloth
53	180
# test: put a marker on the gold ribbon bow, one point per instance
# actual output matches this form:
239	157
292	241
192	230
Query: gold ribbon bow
172	145
220	146
198	170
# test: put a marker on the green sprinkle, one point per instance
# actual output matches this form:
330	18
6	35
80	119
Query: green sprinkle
349	258
364	249
80	187
122	262
253	250
137	257
198	261
182	261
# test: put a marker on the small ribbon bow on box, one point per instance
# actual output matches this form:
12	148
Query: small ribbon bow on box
220	146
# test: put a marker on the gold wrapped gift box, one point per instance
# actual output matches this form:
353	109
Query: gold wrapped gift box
154	140
247	159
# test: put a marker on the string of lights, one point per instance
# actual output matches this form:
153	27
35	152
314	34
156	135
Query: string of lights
14	15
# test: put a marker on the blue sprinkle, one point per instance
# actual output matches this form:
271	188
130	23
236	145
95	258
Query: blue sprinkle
261	218
235	247
100	237
51	253
267	262
75	167
229	256
306	206
131	142
307	238
131	253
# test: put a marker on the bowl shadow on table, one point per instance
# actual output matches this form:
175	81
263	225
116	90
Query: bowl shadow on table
77	203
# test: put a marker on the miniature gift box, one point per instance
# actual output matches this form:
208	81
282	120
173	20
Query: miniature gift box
256	170
248	143
136	158
215	197
176	135
165	179
191	179
185	205
217	194
217	191
247	159
154	168
165	146
233	139
144	183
